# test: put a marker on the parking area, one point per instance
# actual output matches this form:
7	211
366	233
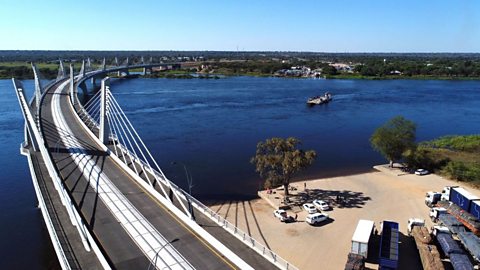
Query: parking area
385	194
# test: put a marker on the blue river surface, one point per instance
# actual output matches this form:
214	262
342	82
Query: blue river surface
213	127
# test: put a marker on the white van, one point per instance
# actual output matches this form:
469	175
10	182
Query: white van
316	218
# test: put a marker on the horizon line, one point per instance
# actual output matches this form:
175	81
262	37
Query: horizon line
239	52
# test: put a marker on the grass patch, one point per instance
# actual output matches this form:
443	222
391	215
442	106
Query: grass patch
468	143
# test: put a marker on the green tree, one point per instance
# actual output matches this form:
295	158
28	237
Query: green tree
394	138
278	159
329	70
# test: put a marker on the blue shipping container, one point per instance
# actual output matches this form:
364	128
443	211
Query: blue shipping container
388	257
462	198
475	209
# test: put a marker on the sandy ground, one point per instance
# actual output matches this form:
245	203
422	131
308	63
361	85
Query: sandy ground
382	195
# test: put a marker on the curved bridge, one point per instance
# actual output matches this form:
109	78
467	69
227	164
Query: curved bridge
105	201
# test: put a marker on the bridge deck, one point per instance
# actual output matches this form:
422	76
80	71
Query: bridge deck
122	252
68	235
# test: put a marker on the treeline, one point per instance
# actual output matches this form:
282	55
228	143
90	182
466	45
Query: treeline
439	67
26	72
246	67
46	56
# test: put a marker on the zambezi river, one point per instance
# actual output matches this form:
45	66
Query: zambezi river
213	125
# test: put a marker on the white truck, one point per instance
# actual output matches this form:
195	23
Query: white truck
361	237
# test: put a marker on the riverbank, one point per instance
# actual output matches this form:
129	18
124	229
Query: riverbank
354	77
385	194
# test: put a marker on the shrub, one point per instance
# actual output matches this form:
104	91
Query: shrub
462	171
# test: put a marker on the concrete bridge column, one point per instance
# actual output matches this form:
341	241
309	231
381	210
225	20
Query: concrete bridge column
72	90
82	70
104	64
103	134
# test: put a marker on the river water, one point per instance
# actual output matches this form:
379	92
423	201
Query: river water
213	126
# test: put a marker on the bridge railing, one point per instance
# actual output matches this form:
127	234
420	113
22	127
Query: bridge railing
75	218
243	236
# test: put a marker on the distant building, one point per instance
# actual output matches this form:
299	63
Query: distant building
342	67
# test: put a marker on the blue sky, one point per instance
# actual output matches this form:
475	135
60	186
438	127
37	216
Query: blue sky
323	26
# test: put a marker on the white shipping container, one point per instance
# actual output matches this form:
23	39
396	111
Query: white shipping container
361	237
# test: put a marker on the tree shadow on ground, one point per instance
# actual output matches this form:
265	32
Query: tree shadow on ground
335	198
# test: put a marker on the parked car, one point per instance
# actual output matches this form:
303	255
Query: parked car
280	214
310	208
316	218
321	205
283	216
421	172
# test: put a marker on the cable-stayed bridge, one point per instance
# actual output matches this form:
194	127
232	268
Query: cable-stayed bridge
105	201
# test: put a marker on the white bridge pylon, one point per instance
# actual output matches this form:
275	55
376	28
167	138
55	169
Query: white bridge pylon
103	112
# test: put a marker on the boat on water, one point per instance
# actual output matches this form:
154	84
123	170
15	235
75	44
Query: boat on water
327	97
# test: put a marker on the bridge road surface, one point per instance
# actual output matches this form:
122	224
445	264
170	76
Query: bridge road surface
121	250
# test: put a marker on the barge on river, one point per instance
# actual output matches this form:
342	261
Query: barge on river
327	97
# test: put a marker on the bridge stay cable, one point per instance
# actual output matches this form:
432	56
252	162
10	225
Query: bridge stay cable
127	142
148	158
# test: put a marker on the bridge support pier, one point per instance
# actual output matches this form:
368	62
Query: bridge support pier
82	70
73	93
103	134
38	92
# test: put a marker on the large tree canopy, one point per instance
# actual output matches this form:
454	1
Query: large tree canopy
278	159
394	138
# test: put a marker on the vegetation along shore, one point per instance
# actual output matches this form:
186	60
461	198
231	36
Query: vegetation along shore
205	64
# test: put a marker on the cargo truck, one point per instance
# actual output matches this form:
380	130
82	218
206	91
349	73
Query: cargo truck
388	255
429	254
441	216
458	258
461	204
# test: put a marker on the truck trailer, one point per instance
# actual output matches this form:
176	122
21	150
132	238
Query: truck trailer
429	254
467	219
360	241
461	197
471	243
458	257
455	194
361	237
388	255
